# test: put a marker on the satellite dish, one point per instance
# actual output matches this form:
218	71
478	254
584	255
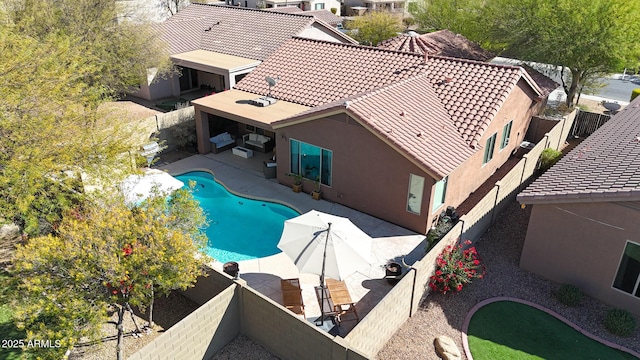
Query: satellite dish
272	82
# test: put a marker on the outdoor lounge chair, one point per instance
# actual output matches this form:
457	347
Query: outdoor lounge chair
292	296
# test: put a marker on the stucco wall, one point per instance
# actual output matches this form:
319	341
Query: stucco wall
581	244
367	175
518	107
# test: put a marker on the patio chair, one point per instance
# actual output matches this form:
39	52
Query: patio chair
292	296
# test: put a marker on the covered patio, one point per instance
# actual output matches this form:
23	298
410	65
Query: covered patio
232	112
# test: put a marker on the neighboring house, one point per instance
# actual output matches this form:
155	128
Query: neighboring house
149	10
584	227
360	7
324	15
442	42
392	134
215	46
304	5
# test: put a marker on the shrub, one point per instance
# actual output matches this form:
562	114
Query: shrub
439	231
334	10
635	93
456	267
549	157
620	322
569	295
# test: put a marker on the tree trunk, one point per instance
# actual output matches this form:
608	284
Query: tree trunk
120	327
576	81
133	317
151	324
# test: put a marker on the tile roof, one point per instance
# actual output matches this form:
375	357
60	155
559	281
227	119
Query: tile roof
426	134
248	33
285	9
325	15
604	167
443	42
314	73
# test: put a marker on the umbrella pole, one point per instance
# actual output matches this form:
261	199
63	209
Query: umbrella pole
324	260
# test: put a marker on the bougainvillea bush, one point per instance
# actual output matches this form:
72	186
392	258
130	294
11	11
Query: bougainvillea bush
455	267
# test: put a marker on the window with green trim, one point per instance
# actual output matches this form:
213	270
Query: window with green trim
506	133
488	149
310	161
439	193
628	275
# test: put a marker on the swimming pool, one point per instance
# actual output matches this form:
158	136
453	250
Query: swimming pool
239	228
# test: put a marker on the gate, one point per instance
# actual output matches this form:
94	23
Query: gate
586	123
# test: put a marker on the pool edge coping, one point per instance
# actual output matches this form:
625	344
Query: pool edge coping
275	201
476	307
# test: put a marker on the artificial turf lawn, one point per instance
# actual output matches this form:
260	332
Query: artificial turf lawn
510	330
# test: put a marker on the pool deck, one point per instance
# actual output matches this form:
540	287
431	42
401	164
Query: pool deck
366	286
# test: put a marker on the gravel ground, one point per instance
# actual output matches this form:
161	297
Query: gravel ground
167	312
500	249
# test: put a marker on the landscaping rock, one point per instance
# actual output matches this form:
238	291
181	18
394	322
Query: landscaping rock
446	348
9	237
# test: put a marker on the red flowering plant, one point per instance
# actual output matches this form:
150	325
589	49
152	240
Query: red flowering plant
455	267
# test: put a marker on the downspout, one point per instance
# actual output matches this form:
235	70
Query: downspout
495	202
524	167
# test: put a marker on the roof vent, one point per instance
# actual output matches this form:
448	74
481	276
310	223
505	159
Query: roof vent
263	101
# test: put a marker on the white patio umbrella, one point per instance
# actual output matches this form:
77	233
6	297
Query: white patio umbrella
326	245
136	188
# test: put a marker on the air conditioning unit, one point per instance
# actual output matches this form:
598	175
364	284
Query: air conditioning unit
263	101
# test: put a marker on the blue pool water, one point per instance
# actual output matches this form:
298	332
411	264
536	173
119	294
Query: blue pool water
239	228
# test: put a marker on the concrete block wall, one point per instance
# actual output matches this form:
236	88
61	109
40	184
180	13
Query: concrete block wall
426	267
372	332
284	334
199	335
208	287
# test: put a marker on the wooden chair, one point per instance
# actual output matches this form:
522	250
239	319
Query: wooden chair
341	299
292	296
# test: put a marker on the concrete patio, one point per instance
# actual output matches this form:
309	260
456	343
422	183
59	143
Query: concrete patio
366	286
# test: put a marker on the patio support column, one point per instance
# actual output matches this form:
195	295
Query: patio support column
202	131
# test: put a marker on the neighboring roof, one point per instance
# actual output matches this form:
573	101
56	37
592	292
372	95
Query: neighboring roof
443	42
604	167
545	83
285	9
243	32
193	59
314	73
418	125
326	16
234	105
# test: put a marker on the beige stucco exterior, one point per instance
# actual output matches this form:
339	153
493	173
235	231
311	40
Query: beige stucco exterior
582	244
367	174
519	107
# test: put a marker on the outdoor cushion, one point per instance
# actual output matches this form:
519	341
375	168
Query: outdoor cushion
253	137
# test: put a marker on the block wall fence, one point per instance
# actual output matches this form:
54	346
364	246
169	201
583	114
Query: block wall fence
230	307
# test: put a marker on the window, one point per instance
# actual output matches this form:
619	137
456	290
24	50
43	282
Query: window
414	198
311	161
319	6
506	133
439	193
488	149
628	276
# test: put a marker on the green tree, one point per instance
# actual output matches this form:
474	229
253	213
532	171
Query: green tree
106	256
375	27
580	37
118	51
459	16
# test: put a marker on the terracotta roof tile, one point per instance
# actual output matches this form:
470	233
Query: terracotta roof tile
604	167
322	75
248	33
443	42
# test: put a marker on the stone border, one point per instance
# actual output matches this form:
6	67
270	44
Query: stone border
467	320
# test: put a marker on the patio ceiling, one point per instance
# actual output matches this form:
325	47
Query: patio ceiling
213	62
234	104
